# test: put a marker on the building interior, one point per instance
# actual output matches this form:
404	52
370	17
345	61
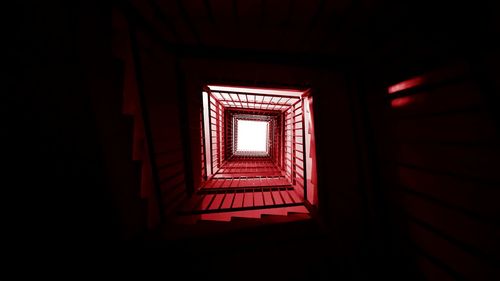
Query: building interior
273	139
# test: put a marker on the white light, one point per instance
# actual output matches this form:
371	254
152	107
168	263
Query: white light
252	136
294	93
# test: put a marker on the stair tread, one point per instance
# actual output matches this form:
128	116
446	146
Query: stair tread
256	214
245	183
192	226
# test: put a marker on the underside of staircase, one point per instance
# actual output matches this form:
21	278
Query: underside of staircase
242	194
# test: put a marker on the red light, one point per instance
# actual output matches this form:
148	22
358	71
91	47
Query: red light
411	83
402	101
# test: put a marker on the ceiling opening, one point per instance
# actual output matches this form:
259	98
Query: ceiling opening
252	136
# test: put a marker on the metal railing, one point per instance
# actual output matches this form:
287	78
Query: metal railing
216	111
286	135
295	150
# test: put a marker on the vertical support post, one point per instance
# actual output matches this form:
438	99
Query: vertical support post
204	142
217	131
210	130
293	150
221	134
283	139
304	154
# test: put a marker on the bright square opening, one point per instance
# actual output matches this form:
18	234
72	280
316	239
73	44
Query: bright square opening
252	136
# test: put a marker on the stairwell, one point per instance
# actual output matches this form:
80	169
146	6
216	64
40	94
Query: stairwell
241	190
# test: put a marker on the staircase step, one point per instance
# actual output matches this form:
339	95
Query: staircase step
267	218
185	228
297	209
255	174
228	215
222	183
205	190
290	216
253	214
294	196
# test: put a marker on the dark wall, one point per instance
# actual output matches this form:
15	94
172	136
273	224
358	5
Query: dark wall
161	91
159	87
436	146
442	161
61	177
